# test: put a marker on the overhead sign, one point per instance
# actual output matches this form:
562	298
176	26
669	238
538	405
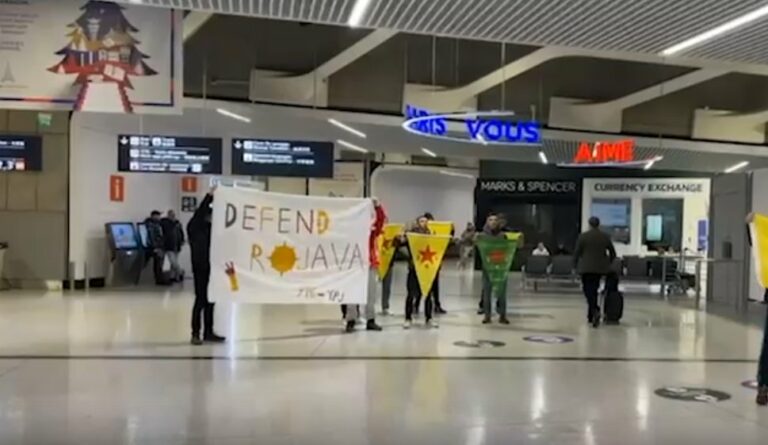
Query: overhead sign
649	187
605	152
168	154
479	127
21	153
85	55
528	186
271	157
620	153
289	249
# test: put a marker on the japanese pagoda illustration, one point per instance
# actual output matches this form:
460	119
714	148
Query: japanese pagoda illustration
104	54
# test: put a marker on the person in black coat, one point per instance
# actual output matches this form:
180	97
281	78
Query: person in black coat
199	234
593	258
173	238
156	247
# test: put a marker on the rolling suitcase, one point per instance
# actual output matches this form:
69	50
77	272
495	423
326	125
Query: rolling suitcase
613	304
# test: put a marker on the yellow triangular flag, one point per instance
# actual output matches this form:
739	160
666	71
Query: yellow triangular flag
440	227
387	247
759	231
514	236
427	252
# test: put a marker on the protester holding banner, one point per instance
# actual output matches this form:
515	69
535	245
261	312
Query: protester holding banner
380	217
388	243
496	253
199	234
758	231
426	252
438	228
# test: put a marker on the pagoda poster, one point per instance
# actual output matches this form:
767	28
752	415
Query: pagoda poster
87	55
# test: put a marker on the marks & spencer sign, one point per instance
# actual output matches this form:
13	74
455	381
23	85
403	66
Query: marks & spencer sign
527	187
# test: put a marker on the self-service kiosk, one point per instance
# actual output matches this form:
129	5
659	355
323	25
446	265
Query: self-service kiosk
126	253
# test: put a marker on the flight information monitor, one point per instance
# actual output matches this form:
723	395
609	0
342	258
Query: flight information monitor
21	153
270	157
168	154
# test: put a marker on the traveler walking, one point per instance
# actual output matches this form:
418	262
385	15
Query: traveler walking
593	258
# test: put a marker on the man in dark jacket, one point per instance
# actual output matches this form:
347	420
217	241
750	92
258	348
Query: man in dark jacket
593	258
199	234
156	247
173	237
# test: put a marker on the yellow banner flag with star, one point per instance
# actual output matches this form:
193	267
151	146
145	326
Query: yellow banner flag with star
387	249
440	227
759	231
427	253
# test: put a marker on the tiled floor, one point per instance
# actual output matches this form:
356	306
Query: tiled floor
116	367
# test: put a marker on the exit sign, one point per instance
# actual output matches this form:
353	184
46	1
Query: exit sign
605	152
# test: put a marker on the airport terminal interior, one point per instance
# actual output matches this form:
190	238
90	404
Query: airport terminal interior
383	222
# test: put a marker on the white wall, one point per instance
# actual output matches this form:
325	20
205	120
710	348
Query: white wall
695	208
759	205
410	191
94	159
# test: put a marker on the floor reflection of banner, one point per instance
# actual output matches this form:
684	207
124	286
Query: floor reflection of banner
348	181
90	56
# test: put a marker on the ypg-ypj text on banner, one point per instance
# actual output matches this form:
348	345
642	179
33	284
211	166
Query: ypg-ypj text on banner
289	249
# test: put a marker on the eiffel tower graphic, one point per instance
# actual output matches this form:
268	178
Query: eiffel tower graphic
8	74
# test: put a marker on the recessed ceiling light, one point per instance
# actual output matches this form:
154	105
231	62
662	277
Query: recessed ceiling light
717	31
543	158
736	167
352	146
233	115
358	11
428	152
347	128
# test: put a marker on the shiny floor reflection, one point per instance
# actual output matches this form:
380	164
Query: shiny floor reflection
115	367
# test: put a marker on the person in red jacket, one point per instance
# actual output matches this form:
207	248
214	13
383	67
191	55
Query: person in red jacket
379	219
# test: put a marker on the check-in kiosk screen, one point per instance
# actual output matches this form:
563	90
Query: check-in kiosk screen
21	153
123	236
143	235
168	154
270	157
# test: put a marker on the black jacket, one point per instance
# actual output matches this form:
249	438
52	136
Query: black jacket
594	252
154	234
173	234
199	234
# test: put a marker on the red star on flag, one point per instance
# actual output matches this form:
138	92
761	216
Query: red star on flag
427	255
496	256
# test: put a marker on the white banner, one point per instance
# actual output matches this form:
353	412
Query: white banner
89	55
289	249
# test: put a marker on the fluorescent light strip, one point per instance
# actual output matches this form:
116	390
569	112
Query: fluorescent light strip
358	11
351	146
460	175
717	31
736	167
347	128
428	152
232	115
543	158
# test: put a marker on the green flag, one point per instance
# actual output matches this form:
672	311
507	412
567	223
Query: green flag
496	255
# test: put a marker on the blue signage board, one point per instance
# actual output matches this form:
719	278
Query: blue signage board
481	127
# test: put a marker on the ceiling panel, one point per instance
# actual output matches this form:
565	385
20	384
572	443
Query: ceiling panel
642	26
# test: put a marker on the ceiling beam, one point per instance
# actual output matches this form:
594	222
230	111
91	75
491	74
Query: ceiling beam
354	52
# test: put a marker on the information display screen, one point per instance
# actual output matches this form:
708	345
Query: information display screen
269	157
168	154
654	228
123	236
21	153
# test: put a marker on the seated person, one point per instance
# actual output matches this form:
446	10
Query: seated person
540	250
